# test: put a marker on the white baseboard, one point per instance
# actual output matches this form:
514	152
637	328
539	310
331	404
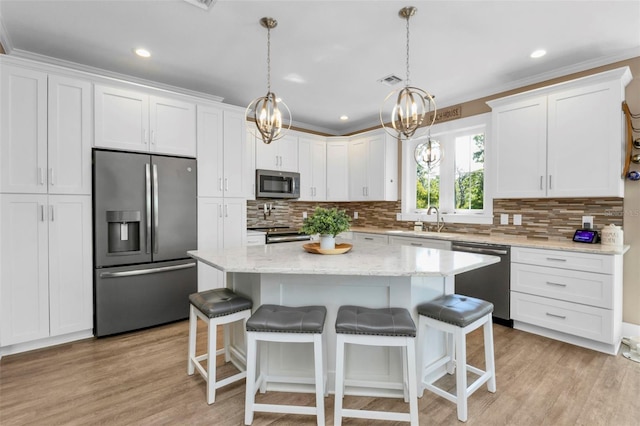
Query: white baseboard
629	330
43	343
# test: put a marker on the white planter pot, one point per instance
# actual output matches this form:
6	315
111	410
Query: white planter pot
327	242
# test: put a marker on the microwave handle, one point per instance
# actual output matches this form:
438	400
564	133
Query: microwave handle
293	185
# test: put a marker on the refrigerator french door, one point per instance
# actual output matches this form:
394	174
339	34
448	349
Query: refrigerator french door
144	223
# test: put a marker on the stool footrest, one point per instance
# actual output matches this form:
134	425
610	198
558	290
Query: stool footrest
288	409
378	415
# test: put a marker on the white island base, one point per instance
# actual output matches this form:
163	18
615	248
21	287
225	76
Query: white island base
367	363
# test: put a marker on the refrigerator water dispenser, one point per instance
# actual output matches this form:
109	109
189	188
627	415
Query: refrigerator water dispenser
124	231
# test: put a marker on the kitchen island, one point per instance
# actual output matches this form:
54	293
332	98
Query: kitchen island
369	275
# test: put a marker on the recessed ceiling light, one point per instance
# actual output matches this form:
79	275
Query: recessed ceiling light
344	117
538	53
143	53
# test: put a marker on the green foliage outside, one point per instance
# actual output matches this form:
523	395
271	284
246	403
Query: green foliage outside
326	222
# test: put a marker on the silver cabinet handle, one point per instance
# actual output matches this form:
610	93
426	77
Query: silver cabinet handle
556	284
417	244
41	212
145	136
556	316
226	184
51	212
147	177
556	259
40	176
226	210
541	177
146	271
550	185
51	176
368	238
153	137
155	208
220	183
219	210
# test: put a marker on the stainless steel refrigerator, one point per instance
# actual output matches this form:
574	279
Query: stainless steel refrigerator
144	221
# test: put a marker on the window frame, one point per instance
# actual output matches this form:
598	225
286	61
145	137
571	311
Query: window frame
446	133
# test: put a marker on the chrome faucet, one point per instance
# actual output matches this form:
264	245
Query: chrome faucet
439	225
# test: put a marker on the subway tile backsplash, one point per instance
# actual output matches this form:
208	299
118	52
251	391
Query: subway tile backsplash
544	218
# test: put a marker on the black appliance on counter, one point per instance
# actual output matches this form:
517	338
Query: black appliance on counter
144	221
280	234
491	283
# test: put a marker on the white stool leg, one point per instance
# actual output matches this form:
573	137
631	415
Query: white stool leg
461	374
211	362
226	330
339	392
488	354
405	381
324	363
451	351
421	332
410	351
250	391
193	330
318	358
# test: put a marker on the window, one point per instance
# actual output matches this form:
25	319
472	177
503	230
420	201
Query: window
457	185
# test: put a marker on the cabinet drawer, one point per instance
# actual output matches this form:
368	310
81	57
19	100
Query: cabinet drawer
573	286
572	318
420	242
255	240
372	238
587	262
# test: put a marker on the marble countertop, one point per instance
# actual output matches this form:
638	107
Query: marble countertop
520	241
365	258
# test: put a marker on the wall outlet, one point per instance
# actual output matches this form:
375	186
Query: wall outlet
504	219
587	222
355	215
517	219
304	215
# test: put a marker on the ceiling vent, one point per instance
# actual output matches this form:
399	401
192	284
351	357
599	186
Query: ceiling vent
202	4
390	80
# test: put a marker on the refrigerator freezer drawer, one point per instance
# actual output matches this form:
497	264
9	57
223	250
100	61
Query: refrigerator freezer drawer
134	297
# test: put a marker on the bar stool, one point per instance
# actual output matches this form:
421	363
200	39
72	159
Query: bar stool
215	307
377	327
458	315
275	323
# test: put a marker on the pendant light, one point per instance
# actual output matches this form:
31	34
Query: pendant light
428	154
414	108
268	112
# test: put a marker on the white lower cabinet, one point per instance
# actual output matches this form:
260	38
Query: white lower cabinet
372	238
420	242
222	224
570	296
45	266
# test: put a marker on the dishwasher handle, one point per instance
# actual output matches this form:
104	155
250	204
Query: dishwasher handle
495	252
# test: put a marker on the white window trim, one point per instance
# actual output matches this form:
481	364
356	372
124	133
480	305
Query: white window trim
409	212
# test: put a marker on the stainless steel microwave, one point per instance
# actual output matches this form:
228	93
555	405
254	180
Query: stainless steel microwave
276	184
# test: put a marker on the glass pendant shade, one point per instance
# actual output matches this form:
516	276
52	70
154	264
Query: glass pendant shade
428	154
271	116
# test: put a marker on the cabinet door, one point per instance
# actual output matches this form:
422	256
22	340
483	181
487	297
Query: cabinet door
376	167
210	228
358	166
585	142
234	154
305	164
23	130
70	264
337	171
319	170
210	152
235	222
24	291
267	155
173	126
520	134
288	153
121	119
70	122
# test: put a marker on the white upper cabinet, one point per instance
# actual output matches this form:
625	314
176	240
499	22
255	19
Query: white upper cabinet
564	140
135	121
45	123
224	153
281	154
373	167
337	170
312	161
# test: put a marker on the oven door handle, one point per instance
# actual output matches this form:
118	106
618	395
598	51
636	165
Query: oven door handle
479	250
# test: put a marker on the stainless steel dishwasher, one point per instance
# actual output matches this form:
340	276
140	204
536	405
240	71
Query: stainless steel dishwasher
491	283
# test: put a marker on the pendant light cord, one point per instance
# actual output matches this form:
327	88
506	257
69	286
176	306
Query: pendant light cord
268	60
407	81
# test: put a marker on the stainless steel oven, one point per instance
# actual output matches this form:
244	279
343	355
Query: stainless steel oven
281	234
277	184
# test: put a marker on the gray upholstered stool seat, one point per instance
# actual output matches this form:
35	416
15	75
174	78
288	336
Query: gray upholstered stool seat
393	327
219	302
287	319
382	322
220	306
456	309
285	324
456	315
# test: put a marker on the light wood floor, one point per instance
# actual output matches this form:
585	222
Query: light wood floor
140	378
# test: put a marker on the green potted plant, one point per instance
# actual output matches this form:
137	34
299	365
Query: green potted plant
328	223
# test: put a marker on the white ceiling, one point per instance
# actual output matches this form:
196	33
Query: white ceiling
327	56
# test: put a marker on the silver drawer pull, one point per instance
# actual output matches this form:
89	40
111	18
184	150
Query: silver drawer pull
556	259
368	238
417	244
556	316
556	284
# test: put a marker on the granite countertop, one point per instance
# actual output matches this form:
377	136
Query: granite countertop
365	258
519	241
